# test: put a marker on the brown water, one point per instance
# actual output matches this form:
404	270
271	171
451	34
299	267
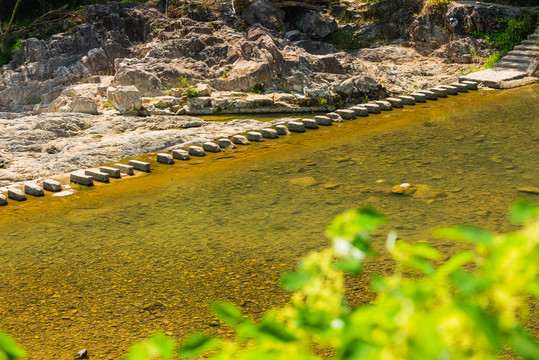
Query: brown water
107	266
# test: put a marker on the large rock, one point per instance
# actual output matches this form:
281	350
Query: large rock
265	13
77	104
126	99
318	26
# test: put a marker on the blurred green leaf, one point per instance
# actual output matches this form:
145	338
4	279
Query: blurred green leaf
523	210
293	281
227	312
159	346
467	283
350	266
524	344
196	344
454	263
358	349
352	222
484	322
270	327
9	349
469	234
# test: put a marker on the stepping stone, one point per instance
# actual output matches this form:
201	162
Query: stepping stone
52	185
460	87
112	172
419	97
428	94
396	103
439	92
211	147
269	133
334	117
164	158
282	130
255	136
63	193
16	194
81	179
384	105
180	154
97	175
346	114
372	108
140	165
472	85
3	200
240	140
196	151
34	190
126	169
451	90
323	120
360	110
225	144
407	100
295	126
309	124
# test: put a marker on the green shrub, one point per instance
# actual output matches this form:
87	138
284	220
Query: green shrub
345	41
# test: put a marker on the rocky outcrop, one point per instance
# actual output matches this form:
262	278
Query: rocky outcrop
265	13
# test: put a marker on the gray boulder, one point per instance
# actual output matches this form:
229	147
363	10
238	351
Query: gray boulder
318	26
265	13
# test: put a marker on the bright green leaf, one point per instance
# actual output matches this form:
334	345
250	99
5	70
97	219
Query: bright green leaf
293	281
159	346
227	312
523	210
275	330
467	234
524	344
350	266
197	344
9	349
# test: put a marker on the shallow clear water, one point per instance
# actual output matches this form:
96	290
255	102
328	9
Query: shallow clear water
109	265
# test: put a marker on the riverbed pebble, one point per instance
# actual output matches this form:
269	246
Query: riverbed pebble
419	97
112	172
196	151
309	124
451	90
403	189
255	136
282	130
240	140
269	133
472	85
323	120
372	108
440	92
360	110
296	126
384	105
34	190
180	154
52	185
97	175
125	169
461	87
81	178
346	114
211	147
334	117
396	103
225	144
165	158
428	94
140	165
407	100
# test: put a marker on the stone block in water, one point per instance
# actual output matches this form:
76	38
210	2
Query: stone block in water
3	200
451	90
165	158
419	97
334	117
384	105
296	126
407	100
269	133
180	154
81	179
360	110
97	175
309	124
111	172
428	94
372	108
211	147
440	92
196	151
254	136
472	85
323	120
396	103
16	194
52	185
346	114
126	169
34	190
140	165
240	140
282	130
226	144
461	87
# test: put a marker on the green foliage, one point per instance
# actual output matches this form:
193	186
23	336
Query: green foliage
157	347
257	89
189	90
5	57
9	350
345	41
439	3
